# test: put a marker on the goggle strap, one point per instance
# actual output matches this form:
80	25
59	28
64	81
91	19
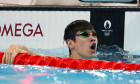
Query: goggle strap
73	35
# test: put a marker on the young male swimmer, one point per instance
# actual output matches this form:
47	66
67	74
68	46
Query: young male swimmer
79	35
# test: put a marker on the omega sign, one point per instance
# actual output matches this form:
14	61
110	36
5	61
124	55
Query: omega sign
107	26
19	29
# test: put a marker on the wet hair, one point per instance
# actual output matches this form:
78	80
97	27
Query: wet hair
74	27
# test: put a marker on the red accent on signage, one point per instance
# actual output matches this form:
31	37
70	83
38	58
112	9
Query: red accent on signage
38	27
19	29
19	24
0	29
7	31
31	30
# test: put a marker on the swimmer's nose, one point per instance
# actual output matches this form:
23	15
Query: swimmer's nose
92	40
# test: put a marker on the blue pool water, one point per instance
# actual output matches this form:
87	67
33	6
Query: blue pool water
21	74
34	74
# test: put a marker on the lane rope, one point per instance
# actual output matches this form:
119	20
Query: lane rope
26	59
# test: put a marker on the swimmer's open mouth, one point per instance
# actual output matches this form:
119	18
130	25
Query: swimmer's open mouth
93	46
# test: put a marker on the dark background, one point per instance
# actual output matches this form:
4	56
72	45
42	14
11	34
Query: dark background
116	18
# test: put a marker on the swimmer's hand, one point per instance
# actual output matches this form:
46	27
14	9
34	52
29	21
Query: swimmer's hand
12	51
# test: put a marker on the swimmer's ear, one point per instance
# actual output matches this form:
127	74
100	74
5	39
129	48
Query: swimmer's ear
70	43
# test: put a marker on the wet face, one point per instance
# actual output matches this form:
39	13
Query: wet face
84	48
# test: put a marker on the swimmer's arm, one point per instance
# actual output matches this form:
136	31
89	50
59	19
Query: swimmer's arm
13	50
33	53
52	56
94	59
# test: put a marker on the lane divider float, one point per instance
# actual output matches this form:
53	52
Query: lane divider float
26	59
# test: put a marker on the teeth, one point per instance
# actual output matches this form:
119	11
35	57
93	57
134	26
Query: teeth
93	46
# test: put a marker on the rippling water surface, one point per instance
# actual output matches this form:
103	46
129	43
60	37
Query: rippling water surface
21	74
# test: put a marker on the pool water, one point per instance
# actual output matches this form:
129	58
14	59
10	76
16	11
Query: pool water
21	74
34	74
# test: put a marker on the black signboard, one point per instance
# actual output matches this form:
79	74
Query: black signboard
109	26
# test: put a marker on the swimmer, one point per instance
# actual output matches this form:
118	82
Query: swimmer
79	35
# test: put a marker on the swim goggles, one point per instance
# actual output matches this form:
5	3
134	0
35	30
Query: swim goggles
84	34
